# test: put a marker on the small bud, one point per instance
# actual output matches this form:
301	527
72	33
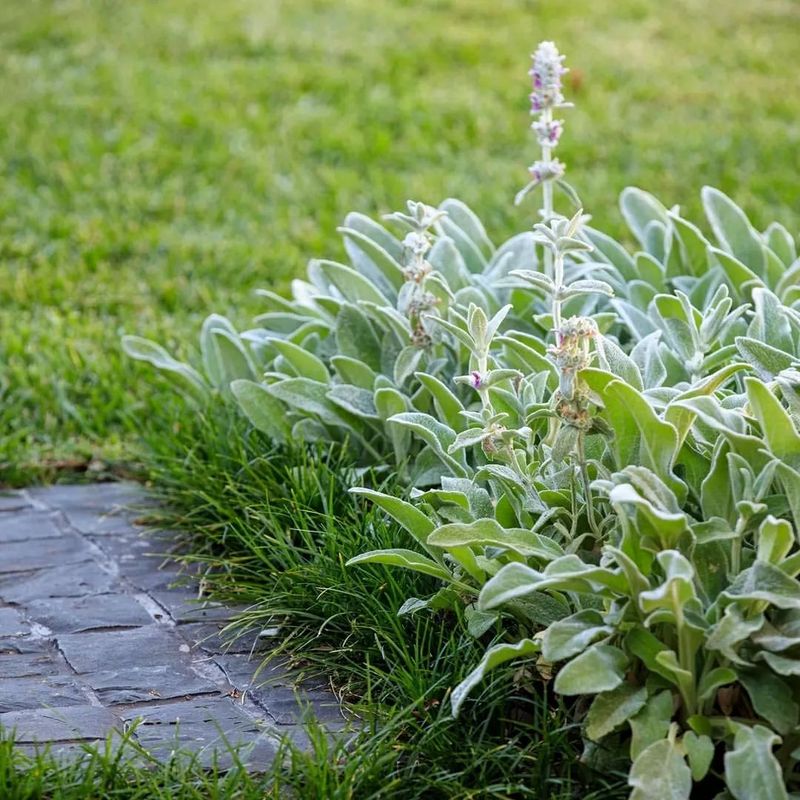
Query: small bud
548	132
419	218
546	170
477	379
417	242
494	442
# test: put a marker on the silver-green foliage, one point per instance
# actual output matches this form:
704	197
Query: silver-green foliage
628	517
359	346
598	448
602	461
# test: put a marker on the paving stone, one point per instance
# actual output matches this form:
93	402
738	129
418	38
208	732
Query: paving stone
245	671
130	547
92	496
256	751
21	665
78	614
71	580
41	692
102	523
209	728
152	645
12	623
26	645
28	526
139	560
83	599
211	638
61	724
273	688
67	548
184	605
288	706
63	753
13	501
141	684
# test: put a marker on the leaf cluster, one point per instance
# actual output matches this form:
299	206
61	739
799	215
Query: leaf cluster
621	509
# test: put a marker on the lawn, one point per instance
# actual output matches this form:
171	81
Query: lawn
162	160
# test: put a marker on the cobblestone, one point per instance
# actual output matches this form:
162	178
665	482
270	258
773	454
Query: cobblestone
95	637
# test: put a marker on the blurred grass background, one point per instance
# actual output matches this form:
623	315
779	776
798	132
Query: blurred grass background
160	160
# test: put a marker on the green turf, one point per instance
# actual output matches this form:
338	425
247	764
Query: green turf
275	529
161	160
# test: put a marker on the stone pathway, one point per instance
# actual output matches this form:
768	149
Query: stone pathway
94	635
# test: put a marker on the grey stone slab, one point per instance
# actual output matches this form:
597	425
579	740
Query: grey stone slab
150	577
62	753
209	729
62	724
184	605
212	638
31	692
92	496
102	523
73	752
298	734
13	501
78	614
21	665
257	752
85	603
141	560
273	687
70	580
287	706
142	684
131	546
221	753
216	712
23	527
12	623
153	645
68	548
26	645
246	672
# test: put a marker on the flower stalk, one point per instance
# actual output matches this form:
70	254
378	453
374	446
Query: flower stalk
546	96
414	299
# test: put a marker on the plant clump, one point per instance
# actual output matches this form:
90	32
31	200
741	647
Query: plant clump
596	451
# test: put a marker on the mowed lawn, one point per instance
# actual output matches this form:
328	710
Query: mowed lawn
161	160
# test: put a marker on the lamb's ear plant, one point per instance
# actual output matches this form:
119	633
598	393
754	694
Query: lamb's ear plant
655	442
597	453
358	343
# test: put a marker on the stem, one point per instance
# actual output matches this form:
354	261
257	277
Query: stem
547	194
574	526
558	279
736	550
686	654
581	454
483	391
547	187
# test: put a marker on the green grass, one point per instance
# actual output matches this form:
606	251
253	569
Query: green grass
365	768
161	160
275	529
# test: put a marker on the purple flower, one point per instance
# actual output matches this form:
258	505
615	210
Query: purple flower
546	74
477	379
546	170
548	132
